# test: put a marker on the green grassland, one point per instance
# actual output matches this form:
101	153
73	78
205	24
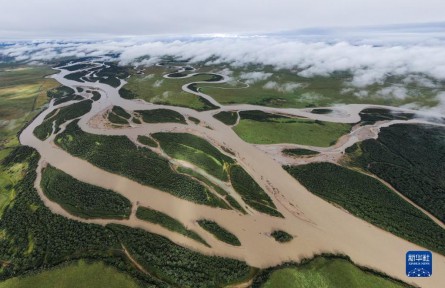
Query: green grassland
219	232
10	175
77	274
120	155
23	91
195	150
370	200
251	192
324	272
153	87
313	91
48	239
82	199
168	222
411	158
262	128
288	90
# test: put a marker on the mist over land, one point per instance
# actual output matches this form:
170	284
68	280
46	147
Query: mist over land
371	55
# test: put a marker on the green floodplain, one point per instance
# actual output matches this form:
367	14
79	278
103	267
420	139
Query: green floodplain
262	128
93	255
276	88
324	272
78	274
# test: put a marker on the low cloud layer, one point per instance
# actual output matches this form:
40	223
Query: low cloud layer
368	63
284	88
252	77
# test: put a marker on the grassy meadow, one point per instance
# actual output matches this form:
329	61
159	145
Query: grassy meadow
153	87
22	93
285	88
324	272
263	128
78	274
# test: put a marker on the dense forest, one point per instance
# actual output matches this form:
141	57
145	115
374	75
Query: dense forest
195	150
219	232
168	222
251	192
110	75
48	240
145	140
63	94
299	152
228	118
119	111
44	130
370	200
281	236
194	120
258	115
371	115
161	116
412	159
82	199
127	94
120	155
177	265
211	185
118	115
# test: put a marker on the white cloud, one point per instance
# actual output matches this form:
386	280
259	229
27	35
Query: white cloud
394	91
158	83
310	97
420	80
368	64
284	87
361	93
252	77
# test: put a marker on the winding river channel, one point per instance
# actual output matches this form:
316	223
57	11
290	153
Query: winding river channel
316	225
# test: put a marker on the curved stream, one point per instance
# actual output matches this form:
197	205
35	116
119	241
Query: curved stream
316	225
